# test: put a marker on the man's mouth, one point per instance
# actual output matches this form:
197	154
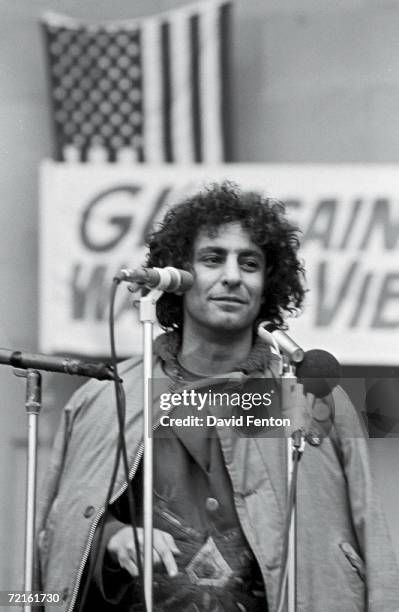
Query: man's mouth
231	299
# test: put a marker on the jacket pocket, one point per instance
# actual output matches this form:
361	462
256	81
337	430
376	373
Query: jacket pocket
354	559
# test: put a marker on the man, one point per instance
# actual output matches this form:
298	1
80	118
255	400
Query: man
382	407
219	498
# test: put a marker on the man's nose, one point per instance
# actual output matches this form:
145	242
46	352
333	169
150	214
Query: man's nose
231	273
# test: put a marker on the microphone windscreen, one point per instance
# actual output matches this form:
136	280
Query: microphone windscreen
319	372
186	281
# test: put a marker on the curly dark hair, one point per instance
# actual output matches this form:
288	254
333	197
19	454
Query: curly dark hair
265	221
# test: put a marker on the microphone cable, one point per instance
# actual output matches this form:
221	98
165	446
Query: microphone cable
121	451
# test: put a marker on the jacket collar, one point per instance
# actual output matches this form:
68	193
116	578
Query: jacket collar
260	358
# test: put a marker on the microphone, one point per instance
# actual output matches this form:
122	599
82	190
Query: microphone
319	372
281	341
317	375
171	280
66	365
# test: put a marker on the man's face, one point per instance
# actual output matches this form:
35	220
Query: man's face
228	281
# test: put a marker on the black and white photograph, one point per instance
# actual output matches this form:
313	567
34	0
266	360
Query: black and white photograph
200	305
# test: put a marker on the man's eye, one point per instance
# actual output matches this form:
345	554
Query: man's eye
250	264
211	259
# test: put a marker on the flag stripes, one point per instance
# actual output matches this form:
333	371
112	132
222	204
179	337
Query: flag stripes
167	92
196	102
225	111
152	92
182	142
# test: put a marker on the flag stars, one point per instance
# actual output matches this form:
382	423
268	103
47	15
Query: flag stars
69	128
113	51
105	85
76	72
87	129
93	28
106	107
97	94
64	61
137	140
106	130
112	28
75	50
103	40
117	141
104	62
125	107
86	84
61	116
59	93
87	107
134	95
114	73
122	39
97	119
97	140
134	71
56	48
68	104
115	96
84	62
123	62
124	84
116	119
136	118
77	116
126	130
133	49
94	52
77	95
66	81
64	37
57	70
83	38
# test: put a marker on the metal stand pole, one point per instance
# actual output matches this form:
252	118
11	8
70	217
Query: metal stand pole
291	586
33	406
295	444
148	318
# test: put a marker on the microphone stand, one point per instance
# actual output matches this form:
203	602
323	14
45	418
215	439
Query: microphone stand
295	445
32	406
148	318
24	366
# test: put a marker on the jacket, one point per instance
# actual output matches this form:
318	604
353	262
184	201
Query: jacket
345	561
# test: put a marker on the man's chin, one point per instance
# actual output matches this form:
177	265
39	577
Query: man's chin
230	323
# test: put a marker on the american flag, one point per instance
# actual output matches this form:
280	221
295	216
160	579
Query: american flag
149	90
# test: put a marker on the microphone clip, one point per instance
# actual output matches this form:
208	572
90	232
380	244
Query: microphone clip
288	369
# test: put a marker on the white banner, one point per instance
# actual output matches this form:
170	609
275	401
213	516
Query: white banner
94	218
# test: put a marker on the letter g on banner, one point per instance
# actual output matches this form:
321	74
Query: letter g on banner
121	223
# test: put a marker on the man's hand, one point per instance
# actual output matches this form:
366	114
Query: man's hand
122	550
